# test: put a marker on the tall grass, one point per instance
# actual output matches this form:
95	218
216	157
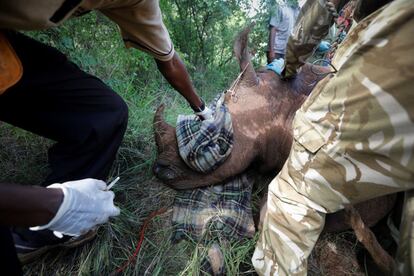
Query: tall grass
95	45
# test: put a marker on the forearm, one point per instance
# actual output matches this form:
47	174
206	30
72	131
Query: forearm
271	44
312	26
28	205
176	74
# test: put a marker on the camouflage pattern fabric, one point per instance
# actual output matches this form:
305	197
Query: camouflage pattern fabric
353	141
218	211
205	145
312	26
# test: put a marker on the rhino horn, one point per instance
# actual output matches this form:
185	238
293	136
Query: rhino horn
160	126
241	51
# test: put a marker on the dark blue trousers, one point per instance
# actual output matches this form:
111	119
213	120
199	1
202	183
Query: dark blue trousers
57	100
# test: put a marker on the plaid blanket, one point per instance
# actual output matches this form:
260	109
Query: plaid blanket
205	145
216	211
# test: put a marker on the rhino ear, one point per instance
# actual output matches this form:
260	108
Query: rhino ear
241	51
160	126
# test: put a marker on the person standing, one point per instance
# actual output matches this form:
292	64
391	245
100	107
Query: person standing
281	25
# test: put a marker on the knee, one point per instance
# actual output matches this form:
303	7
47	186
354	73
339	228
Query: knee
110	122
119	111
123	112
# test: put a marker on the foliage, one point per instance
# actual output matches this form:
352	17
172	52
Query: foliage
203	30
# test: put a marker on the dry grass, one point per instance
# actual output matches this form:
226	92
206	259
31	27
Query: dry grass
335	254
24	159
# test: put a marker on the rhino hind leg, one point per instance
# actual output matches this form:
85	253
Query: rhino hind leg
337	222
365	236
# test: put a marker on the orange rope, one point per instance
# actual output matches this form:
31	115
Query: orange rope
141	239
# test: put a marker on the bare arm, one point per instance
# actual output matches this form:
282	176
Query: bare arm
176	74
271	44
28	205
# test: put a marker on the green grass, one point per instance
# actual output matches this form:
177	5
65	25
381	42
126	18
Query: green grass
138	194
23	159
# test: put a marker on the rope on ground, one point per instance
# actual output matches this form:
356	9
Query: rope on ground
140	241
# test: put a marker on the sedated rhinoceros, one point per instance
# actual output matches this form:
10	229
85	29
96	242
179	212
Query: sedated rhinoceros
262	107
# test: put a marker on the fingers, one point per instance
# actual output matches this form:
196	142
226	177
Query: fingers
111	209
206	114
115	212
87	183
99	184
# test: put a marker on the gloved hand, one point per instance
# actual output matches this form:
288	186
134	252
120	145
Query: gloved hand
342	36
205	114
86	203
276	66
324	46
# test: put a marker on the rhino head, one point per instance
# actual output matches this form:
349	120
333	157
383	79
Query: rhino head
261	116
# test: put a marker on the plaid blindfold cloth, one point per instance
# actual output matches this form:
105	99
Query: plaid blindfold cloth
217	211
205	145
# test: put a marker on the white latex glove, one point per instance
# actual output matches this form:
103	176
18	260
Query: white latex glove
206	114
86	203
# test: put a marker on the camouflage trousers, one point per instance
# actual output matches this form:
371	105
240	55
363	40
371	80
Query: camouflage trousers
353	141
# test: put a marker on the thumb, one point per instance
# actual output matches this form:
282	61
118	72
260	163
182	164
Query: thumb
114	211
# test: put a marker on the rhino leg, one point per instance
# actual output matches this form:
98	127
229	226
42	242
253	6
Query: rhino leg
365	236
336	222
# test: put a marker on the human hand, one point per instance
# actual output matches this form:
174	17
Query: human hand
205	114
324	46
86	203
276	66
342	36
202	111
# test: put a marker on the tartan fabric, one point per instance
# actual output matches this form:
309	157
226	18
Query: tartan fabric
222	210
205	145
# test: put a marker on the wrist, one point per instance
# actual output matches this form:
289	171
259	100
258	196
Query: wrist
54	202
198	108
55	206
28	205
